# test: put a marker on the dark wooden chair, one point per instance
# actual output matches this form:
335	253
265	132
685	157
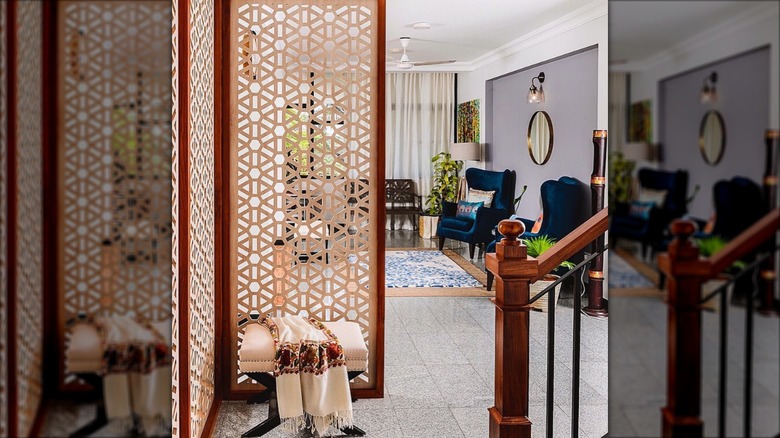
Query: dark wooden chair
401	199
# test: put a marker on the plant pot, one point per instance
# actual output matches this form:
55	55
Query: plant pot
540	285
427	226
713	304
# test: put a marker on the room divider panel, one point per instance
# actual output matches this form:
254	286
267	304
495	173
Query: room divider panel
306	157
113	162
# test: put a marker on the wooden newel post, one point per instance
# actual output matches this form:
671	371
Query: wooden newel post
685	273
597	306
513	270
769	304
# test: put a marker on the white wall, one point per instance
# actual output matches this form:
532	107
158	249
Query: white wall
753	28
586	28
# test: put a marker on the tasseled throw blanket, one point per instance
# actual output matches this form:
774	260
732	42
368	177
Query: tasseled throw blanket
136	369
311	375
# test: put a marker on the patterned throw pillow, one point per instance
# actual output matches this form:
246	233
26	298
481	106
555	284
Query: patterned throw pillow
640	209
657	197
538	224
468	209
481	195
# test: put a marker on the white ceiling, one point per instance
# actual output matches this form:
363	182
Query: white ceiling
639	30
467	29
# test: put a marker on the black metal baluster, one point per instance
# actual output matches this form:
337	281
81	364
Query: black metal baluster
749	354
575	369
550	360
722	358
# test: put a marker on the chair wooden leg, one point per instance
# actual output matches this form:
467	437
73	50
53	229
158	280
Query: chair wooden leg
441	243
471	250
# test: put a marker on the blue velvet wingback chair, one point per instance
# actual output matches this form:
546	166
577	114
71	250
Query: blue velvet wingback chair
479	231
561	207
738	205
649	230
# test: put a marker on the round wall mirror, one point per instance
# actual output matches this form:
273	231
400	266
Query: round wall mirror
540	137
712	137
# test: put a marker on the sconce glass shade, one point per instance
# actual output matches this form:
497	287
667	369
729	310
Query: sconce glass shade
465	152
709	93
536	95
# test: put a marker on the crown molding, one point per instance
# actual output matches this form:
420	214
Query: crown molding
745	19
585	14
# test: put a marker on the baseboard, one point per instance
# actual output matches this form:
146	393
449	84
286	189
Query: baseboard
211	420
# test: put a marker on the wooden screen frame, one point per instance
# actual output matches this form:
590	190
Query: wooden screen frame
223	196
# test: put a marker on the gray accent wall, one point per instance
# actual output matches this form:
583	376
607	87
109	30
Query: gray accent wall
571	100
743	100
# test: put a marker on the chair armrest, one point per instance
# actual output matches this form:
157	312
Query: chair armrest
527	222
450	208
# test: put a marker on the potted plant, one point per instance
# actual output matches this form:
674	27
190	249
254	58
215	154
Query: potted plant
709	246
537	246
445	188
620	180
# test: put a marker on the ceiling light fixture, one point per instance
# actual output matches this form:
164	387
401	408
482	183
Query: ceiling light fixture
709	94
536	95
421	25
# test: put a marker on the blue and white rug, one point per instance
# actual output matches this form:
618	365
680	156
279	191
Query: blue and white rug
622	275
424	268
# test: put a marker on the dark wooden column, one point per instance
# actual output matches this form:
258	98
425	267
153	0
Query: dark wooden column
769	303
685	273
597	305
514	271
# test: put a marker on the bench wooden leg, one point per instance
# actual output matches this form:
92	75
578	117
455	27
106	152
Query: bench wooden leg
270	423
353	431
100	421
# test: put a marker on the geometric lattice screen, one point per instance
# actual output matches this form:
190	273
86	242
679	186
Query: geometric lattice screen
29	239
114	159
303	89
3	225
200	284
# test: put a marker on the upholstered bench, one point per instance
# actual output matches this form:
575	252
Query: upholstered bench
256	360
84	358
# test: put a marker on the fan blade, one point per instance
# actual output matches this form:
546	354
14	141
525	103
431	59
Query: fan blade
449	61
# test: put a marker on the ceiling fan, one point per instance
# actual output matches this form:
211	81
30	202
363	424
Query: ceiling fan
405	63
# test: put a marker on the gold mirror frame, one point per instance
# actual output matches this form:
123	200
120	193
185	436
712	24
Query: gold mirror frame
552	135
702	126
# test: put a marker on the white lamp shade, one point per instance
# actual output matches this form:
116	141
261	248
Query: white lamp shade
465	151
636	151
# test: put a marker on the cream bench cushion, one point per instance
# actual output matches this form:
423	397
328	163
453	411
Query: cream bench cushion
257	351
84	353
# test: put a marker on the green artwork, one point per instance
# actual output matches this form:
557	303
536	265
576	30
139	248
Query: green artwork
640	128
468	122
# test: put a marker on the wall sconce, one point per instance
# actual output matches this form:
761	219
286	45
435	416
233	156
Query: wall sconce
536	95
709	94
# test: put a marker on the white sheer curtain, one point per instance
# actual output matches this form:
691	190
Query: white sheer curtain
420	116
618	109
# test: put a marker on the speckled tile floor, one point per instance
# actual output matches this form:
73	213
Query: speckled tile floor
439	357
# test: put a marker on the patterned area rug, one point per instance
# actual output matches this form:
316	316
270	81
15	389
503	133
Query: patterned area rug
429	272
624	276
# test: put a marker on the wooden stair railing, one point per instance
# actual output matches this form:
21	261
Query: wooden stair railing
686	272
515	271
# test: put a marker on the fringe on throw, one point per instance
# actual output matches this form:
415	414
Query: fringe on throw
318	424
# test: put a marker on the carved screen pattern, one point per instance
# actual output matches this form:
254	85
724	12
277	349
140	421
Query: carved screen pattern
201	212
115	152
29	305
174	219
3	225
302	79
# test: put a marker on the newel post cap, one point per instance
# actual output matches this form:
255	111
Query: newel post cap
511	229
682	247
